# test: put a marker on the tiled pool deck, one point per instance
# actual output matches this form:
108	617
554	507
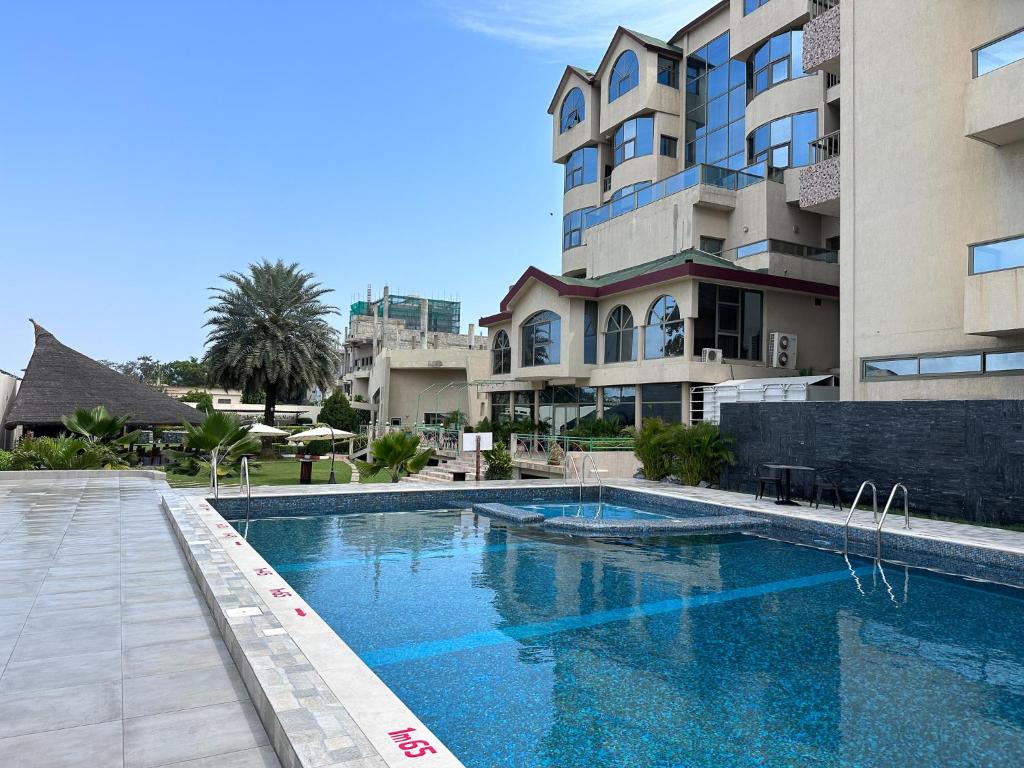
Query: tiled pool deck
112	656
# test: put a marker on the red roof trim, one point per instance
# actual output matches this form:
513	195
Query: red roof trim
653	278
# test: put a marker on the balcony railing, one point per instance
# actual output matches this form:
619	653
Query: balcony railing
712	175
824	148
781	246
818	7
831	80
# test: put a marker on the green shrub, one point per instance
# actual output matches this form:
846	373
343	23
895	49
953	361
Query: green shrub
598	428
7	461
337	412
499	463
655	446
303	421
65	452
692	453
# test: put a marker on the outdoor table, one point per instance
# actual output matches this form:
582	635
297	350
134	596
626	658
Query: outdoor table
306	470
787	499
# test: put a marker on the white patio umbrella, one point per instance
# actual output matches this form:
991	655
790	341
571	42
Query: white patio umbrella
263	430
322	433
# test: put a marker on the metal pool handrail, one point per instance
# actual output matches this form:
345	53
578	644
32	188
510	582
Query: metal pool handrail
906	516
600	482
243	473
572	463
214	485
874	510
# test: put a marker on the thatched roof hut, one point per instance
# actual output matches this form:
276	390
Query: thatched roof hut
58	380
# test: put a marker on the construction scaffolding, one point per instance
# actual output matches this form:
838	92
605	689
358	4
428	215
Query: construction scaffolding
442	316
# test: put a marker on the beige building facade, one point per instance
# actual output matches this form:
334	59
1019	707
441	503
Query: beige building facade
687	259
406	362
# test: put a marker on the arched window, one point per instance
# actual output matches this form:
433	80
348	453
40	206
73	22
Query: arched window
501	354
620	338
625	75
542	335
573	110
663	335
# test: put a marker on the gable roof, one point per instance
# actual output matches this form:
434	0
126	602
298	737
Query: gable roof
645	40
58	380
688	263
569	70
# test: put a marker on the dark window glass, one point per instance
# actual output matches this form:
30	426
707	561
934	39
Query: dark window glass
542	335
730	319
620	404
662	401
581	168
620	337
668	71
712	244
625	75
663	332
753	325
573	110
992	257
668	145
590	332
501	354
500	408
523	408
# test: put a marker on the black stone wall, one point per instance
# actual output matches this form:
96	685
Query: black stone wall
958	458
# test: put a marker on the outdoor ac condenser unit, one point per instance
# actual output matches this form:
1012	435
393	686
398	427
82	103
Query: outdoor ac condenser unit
782	349
711	356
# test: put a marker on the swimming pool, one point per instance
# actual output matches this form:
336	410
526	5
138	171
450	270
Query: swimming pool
590	509
522	647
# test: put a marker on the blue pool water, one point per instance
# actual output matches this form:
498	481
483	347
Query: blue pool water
589	509
523	648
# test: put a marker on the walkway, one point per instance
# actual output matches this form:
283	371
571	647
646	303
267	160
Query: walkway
109	655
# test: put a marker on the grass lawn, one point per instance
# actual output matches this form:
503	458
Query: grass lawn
273	472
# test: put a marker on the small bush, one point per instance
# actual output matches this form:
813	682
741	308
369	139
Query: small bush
8	461
499	463
693	454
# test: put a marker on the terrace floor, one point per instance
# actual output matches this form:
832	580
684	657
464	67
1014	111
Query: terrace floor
109	655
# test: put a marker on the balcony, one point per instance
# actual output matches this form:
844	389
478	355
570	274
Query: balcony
709	175
819	181
994	106
994	303
821	37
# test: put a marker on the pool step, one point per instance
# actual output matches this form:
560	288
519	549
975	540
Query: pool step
445	471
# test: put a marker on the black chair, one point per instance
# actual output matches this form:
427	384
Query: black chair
765	480
826	481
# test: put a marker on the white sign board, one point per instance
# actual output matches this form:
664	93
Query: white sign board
469	440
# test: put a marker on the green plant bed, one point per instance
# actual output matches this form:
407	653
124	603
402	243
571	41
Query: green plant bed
272	472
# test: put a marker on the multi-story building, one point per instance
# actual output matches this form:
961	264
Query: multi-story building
687	259
406	362
706	196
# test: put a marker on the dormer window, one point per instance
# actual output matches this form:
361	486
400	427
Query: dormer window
625	75
573	110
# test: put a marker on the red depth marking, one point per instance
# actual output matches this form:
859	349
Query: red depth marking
300	612
280	592
238	543
263	571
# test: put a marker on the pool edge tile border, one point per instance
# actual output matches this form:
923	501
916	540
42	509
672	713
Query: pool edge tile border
310	689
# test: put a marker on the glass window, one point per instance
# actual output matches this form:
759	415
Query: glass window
620	337
998	54
581	168
951	364
1004	361
992	257
876	369
669	145
712	244
662	401
778	60
749	6
730	319
501	354
542	336
590	332
573	110
784	142
625	75
572	228
500	407
716	100
629	189
663	333
668	72
620	404
634	138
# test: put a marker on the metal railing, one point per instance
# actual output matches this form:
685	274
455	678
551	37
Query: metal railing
831	80
606	184
243	474
441	439
818	7
711	175
540	446
824	148
906	516
853	507
581	475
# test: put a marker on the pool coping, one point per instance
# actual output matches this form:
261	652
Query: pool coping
321	705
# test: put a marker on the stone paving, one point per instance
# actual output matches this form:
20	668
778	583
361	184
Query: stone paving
109	654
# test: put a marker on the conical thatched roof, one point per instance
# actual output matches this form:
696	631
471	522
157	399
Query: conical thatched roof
58	380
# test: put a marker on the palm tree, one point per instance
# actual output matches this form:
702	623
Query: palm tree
98	426
398	453
269	333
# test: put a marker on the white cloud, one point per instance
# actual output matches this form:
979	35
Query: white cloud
572	24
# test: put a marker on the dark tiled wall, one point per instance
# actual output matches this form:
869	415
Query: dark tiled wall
958	458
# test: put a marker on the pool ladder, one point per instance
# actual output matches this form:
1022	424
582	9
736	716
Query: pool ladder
879	522
581	476
243	473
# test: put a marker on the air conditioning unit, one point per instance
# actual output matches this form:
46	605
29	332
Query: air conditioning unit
782	349
711	356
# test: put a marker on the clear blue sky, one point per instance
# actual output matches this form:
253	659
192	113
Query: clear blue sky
146	147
